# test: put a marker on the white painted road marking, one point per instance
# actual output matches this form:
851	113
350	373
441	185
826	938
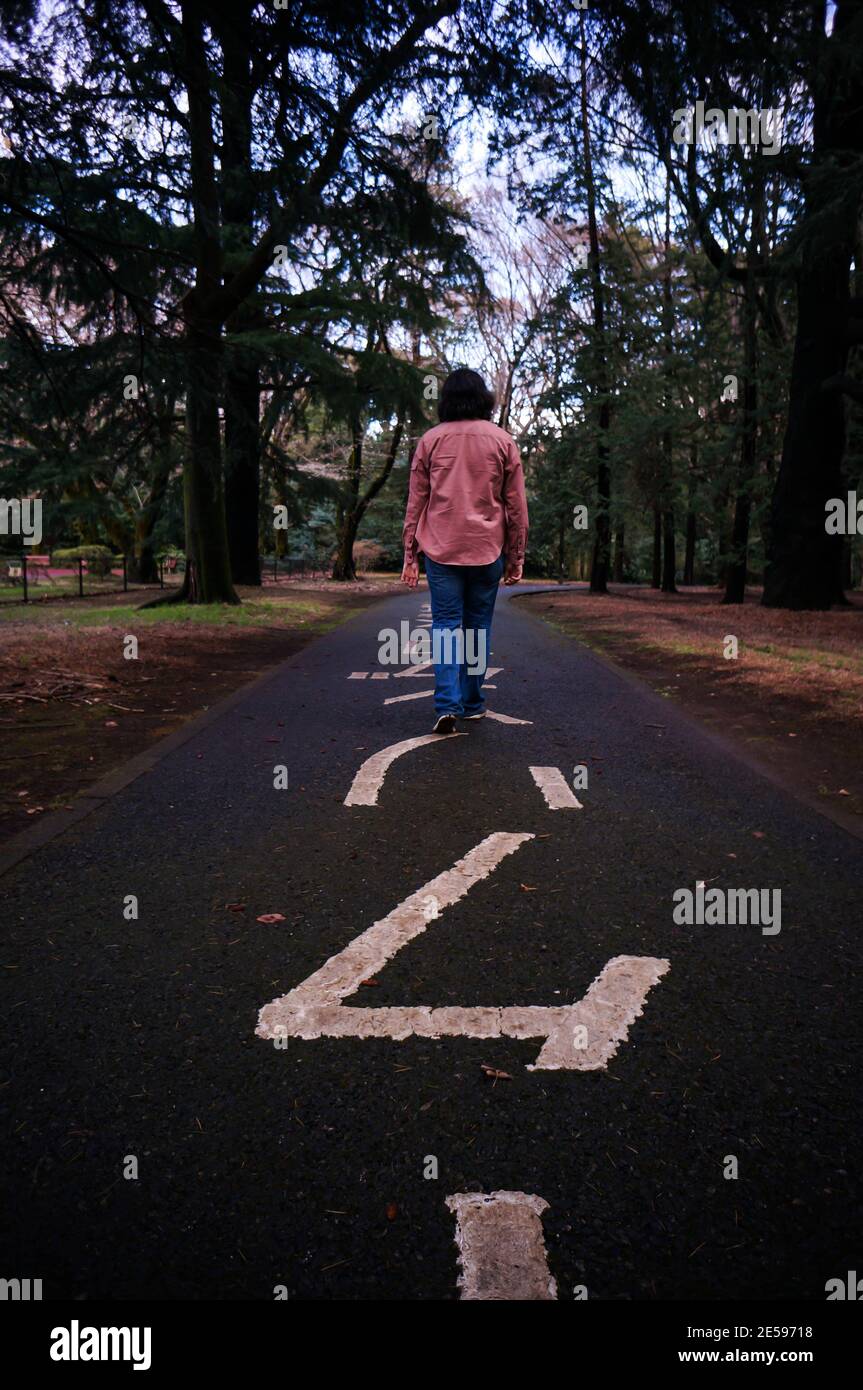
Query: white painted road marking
578	1037
505	718
314	1007
593	1029
421	695
501	1246
558	794
370	778
423	670
357	675
415	695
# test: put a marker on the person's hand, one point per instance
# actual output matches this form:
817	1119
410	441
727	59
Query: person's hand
411	573
512	574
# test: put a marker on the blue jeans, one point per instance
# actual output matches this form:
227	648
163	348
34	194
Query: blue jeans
462	600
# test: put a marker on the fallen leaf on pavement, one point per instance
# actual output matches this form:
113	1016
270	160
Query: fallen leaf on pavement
271	917
493	1071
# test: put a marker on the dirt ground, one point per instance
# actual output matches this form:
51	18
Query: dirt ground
793	696
72	707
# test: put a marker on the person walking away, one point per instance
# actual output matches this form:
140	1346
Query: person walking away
467	514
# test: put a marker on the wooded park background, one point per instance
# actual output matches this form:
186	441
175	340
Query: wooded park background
241	246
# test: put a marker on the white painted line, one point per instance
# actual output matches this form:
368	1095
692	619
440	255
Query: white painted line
423	670
596	1026
421	695
417	695
506	718
577	1037
370	777
357	675
558	794
314	1009
501	1246
426	670
380	675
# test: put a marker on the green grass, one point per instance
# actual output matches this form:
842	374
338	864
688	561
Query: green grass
803	656
262	612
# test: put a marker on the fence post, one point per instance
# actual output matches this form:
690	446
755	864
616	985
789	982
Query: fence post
24	575
275	566
161	574
125	576
80	577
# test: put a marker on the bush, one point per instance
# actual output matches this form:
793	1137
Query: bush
367	555
98	558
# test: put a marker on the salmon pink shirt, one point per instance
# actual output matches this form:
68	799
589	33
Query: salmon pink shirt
467	501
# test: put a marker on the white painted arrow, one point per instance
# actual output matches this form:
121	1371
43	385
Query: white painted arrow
578	1037
370	777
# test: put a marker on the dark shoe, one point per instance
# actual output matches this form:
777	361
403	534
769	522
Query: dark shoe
445	724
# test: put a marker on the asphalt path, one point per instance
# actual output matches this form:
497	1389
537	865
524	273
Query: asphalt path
303	1166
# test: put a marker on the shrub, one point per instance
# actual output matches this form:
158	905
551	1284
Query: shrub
98	558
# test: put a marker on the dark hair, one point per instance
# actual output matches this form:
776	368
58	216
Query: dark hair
465	396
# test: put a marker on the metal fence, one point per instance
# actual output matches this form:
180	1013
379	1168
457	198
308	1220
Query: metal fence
278	567
36	578
28	578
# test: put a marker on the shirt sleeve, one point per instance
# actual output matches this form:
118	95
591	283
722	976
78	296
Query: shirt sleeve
515	506
418	496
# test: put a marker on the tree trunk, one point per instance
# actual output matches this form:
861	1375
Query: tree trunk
669	556
657	548
691	519
350	517
142	567
689	553
242	381
208	571
619	554
242	471
735	578
669	559
602	523
344	566
804	564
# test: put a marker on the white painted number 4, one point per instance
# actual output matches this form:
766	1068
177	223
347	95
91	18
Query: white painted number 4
577	1037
